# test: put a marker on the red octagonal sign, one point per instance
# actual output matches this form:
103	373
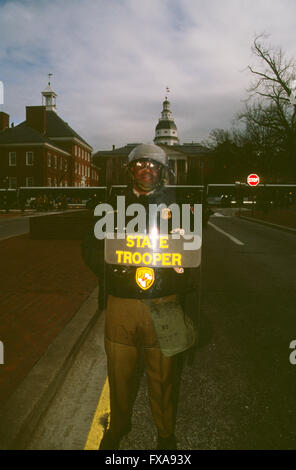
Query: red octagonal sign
253	179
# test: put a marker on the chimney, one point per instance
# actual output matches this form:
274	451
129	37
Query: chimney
113	147
4	121
36	118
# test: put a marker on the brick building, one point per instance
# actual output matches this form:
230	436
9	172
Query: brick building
44	150
189	163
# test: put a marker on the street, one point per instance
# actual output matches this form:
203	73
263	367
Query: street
240	392
11	227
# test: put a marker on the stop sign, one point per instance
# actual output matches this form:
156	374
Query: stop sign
253	179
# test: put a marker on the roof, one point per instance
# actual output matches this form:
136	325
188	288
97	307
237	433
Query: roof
48	90
56	127
166	125
122	151
22	134
193	149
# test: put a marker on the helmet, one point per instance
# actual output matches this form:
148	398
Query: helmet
148	152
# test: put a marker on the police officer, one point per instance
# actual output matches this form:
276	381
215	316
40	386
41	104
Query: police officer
131	324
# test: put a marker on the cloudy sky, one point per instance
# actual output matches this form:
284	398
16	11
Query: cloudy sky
113	59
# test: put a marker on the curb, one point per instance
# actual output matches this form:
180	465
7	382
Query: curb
270	224
23	410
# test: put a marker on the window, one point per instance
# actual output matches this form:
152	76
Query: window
49	160
55	182
79	171
78	151
82	153
29	158
12	159
29	181
66	165
88	172
61	163
48	181
55	161
12	182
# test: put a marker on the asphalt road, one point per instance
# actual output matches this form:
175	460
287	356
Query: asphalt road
240	392
11	227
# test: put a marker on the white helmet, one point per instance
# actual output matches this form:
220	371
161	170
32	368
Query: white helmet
148	152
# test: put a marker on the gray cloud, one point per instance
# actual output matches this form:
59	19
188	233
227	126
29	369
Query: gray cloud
112	60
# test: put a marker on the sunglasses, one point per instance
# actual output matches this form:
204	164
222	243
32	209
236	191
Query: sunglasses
147	164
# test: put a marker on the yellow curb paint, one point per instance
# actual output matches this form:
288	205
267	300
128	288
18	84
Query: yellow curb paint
102	414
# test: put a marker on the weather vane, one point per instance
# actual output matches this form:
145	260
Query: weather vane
49	75
167	91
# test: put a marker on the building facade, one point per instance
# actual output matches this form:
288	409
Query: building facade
44	150
189	163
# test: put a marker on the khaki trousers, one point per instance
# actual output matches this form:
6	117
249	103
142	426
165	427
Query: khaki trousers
128	330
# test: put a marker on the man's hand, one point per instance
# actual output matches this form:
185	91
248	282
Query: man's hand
179	270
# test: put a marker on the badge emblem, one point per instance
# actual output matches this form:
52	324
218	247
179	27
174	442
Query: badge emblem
145	277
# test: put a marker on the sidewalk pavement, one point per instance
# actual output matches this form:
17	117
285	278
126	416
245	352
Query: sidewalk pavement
281	218
48	302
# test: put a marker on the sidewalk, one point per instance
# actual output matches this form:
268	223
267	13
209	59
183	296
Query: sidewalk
281	217
43	283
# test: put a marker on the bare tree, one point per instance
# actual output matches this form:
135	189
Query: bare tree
271	104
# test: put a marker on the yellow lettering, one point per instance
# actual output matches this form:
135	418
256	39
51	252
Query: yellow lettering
137	258
166	259
156	258
119	253
138	238
127	257
176	259
147	258
129	241
146	242
163	241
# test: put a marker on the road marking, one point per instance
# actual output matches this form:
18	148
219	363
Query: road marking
235	240
11	236
102	414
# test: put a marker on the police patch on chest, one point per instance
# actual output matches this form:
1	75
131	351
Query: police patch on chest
145	277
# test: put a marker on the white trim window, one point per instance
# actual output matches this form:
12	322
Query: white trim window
49	160
48	181
61	163
29	181
30	159
12	159
55	161
12	182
